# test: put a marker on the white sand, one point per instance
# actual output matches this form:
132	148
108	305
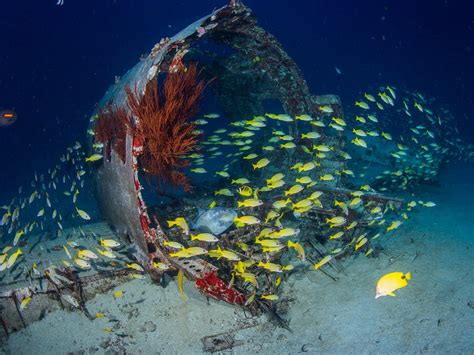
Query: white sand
430	315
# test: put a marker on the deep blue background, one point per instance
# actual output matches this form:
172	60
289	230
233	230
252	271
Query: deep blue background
57	62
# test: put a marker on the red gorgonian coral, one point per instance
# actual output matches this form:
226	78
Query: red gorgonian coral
164	122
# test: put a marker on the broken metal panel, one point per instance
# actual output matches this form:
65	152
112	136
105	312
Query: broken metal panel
220	342
117	196
50	294
58	286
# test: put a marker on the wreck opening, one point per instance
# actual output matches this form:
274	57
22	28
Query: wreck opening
234	62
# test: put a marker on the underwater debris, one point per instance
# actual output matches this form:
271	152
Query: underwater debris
47	293
211	285
220	342
215	220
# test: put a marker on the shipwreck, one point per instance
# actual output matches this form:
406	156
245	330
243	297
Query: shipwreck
141	128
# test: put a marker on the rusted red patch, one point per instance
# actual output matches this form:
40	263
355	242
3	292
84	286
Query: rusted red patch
138	142
214	287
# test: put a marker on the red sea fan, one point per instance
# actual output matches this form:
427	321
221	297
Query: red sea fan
164	121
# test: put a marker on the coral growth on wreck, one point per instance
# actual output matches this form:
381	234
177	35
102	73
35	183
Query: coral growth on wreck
164	123
110	128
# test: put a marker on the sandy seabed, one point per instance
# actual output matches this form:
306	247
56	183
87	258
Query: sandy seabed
433	314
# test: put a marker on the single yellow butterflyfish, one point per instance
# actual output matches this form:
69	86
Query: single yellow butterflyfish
391	282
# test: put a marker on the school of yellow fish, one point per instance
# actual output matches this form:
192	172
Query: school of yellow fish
274	197
275	170
44	209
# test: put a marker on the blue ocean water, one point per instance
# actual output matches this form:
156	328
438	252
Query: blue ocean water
426	46
58	61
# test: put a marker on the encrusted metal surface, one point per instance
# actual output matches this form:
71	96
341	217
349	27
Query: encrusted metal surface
242	33
117	196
